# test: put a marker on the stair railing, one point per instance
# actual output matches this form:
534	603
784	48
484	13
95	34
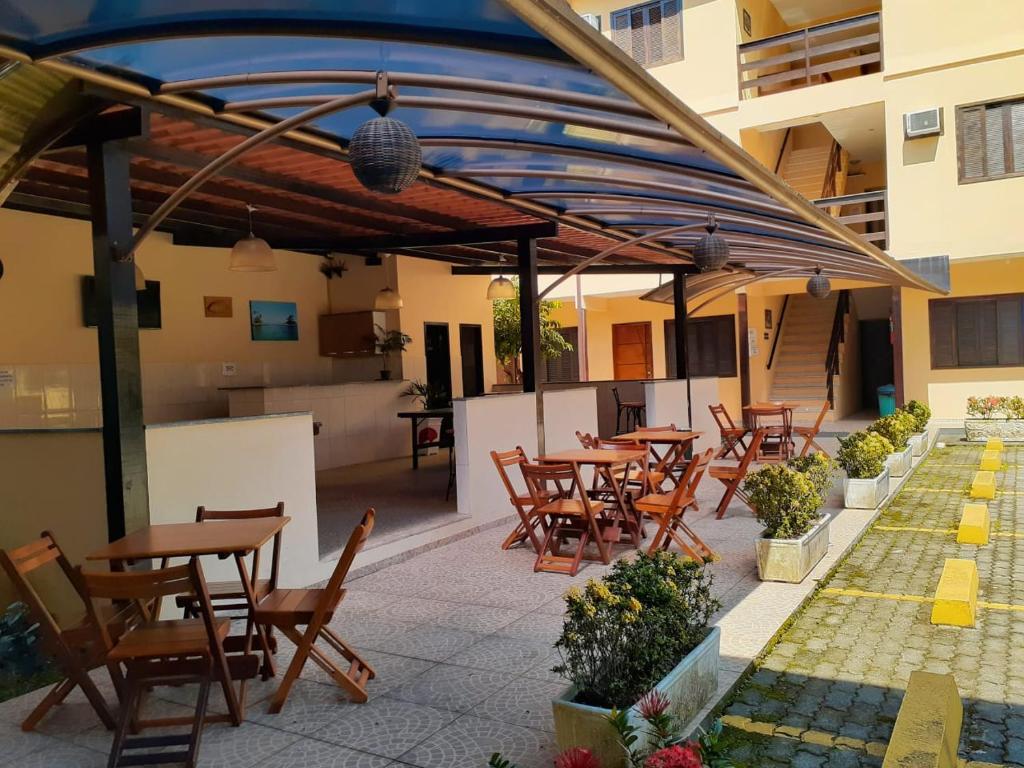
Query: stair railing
782	149
835	342
778	331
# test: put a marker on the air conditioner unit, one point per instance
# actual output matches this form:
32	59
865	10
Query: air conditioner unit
925	122
593	20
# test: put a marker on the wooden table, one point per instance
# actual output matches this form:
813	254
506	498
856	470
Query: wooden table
415	418
677	442
751	412
224	538
604	461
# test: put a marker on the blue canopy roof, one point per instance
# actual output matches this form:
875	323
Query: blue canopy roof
494	102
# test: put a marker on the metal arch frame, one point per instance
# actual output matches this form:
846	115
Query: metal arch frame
731	288
612	251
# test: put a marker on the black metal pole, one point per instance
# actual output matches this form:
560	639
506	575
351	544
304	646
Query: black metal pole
124	435
529	315
679	307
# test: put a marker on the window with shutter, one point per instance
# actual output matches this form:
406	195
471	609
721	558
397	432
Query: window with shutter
565	367
710	346
990	140
651	33
977	332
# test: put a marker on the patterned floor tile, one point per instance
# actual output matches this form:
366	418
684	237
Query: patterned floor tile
383	726
224	746
310	753
55	753
523	702
309	708
470	741
432	643
449	687
478	618
535	626
414	609
502	654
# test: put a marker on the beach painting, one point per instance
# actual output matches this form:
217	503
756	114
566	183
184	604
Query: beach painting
274	320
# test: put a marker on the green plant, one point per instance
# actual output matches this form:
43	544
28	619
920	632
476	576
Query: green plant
862	454
389	342
820	469
785	501
626	632
508	340
430	396
988	407
896	428
21	654
921	413
1013	407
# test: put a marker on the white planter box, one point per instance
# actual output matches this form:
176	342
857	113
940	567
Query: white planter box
868	493
918	444
689	686
980	430
790	560
899	463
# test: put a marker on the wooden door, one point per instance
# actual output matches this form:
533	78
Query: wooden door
632	356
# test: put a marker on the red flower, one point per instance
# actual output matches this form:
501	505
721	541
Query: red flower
653	704
680	756
577	757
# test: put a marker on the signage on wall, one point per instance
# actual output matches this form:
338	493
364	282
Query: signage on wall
6	378
752	342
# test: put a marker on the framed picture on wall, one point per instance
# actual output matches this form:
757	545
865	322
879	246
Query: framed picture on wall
274	320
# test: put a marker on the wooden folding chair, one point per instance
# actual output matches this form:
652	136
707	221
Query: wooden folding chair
732	477
571	514
809	433
529	521
288	609
154	652
732	436
75	649
776	422
643	479
667	510
586	439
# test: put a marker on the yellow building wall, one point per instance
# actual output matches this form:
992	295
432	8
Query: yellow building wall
947	390
431	294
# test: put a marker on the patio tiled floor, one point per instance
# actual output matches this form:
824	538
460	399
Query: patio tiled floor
829	691
461	637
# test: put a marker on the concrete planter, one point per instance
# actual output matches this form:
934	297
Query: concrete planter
868	493
900	463
918	443
980	430
790	560
689	686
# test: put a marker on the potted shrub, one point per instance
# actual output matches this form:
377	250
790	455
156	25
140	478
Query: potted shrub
795	537
862	455
921	413
642	627
896	428
1001	417
389	342
820	469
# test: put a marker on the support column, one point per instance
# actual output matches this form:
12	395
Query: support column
583	351
897	344
529	327
744	343
124	436
680	318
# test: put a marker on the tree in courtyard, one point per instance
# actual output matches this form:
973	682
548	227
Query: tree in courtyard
508	344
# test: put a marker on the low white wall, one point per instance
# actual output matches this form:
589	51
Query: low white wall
948	399
666	403
240	464
482	425
565	412
704	392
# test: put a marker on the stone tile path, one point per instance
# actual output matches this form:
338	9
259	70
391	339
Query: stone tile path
828	692
461	637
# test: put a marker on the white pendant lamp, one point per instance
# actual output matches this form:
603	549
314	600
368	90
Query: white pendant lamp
501	287
252	254
387	298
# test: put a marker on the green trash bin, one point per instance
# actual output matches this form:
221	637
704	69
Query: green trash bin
886	400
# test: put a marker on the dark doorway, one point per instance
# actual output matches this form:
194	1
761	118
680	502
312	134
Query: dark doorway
439	356
875	359
471	346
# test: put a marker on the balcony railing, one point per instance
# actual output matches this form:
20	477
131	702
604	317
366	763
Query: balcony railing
839	49
864	213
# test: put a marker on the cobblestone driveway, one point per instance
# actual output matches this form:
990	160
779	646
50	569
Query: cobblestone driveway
828	692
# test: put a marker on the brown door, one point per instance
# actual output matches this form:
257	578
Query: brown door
631	351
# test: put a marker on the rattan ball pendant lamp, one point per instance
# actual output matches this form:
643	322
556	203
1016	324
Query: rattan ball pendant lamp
252	254
818	285
385	154
711	252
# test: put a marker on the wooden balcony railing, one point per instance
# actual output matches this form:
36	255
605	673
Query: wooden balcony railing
864	213
819	54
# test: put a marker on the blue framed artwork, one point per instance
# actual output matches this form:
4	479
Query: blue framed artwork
274	320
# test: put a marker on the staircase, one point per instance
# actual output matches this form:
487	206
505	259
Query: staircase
807	170
799	367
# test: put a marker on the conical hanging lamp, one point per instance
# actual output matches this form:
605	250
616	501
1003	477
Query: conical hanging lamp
252	254
501	287
386	297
